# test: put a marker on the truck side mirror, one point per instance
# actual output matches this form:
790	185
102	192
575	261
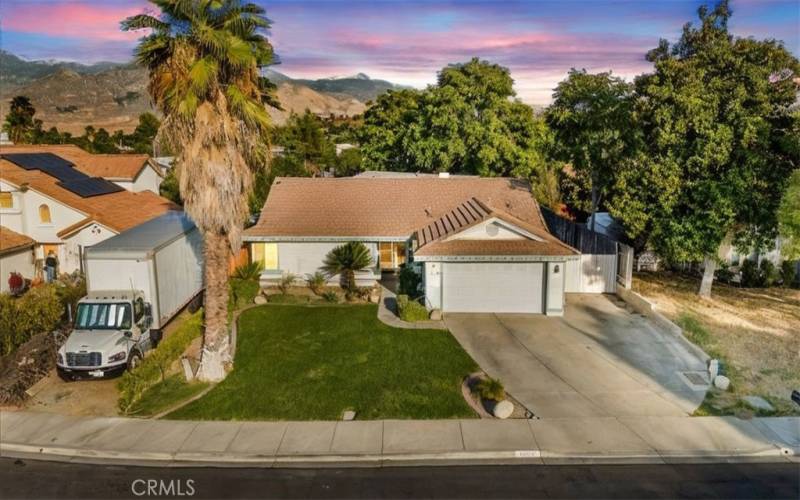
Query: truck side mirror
148	310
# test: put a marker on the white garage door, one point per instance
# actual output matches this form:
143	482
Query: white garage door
493	287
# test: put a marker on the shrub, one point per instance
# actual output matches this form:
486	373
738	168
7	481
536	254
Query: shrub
286	281
751	277
410	281
242	292
316	282
410	310
37	311
491	389
769	275
249	271
330	296
788	272
153	368
724	273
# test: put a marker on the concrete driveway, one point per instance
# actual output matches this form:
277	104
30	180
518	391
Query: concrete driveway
597	360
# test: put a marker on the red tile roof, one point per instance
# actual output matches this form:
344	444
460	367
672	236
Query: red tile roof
11	240
123	167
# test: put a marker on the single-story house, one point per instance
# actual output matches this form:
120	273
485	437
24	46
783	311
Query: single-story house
16	256
481	244
49	194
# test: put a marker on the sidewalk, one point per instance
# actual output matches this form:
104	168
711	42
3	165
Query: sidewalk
377	443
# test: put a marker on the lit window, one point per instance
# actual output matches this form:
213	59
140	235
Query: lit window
267	254
6	200
44	214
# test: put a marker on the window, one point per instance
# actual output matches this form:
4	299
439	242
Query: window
103	316
44	214
6	200
267	254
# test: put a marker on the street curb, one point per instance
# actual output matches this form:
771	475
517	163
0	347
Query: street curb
518	457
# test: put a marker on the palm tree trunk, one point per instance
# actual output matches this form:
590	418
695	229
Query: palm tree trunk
215	357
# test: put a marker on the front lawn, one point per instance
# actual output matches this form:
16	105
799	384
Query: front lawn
314	362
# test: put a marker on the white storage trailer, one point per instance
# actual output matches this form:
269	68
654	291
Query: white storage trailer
136	282
162	257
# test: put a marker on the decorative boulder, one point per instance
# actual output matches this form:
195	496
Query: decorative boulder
260	300
503	409
436	314
722	382
375	296
758	403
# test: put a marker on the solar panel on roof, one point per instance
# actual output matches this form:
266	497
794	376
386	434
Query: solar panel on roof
90	186
51	164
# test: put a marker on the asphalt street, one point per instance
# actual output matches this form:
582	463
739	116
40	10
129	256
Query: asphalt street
36	479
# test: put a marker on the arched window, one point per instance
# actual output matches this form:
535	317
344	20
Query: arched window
44	214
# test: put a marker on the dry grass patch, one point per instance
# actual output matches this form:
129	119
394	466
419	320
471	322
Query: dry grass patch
756	332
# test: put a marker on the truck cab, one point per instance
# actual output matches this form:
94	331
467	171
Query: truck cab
111	334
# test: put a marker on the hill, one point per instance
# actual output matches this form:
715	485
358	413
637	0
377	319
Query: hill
18	71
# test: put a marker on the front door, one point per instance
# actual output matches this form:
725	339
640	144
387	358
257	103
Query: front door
392	254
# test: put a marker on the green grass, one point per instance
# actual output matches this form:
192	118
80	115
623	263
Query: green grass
308	363
165	395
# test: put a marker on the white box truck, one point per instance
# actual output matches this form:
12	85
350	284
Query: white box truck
136	282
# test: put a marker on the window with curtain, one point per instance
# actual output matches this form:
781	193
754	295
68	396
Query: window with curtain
6	200
44	214
267	254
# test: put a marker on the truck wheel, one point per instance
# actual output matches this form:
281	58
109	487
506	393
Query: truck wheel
155	337
134	360
196	303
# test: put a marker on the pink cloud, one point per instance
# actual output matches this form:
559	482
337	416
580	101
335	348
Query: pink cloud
72	19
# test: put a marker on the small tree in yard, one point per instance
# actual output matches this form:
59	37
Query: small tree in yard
346	260
720	135
204	60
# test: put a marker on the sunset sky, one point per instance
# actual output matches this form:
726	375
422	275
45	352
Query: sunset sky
408	41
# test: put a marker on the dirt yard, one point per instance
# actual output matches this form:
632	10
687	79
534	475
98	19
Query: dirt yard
755	332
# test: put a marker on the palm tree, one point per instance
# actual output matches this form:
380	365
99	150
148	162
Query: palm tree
346	260
204	58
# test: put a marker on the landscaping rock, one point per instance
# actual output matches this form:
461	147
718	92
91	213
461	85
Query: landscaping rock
713	369
758	403
260	300
503	409
722	382
436	314
349	415
375	296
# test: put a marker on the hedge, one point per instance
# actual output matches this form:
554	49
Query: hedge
410	310
154	368
38	310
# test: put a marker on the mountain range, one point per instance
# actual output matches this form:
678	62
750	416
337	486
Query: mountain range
71	95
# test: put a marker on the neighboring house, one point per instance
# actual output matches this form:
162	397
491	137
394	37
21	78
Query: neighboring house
134	172
47	197
16	256
480	243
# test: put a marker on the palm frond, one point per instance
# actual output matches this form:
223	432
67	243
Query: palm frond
202	73
143	21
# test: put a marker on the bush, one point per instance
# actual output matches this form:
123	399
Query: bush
769	275
410	281
751	277
249	271
242	293
788	272
286	281
37	311
153	368
316	282
724	273
491	389
330	296
410	310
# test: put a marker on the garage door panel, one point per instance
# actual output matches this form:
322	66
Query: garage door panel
493	287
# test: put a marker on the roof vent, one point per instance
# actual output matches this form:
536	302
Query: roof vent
444	175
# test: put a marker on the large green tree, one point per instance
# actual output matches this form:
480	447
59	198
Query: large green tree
591	119
469	123
789	219
204	59
716	124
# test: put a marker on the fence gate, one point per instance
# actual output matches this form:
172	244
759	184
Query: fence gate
624	265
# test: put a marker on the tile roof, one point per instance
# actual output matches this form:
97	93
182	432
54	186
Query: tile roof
11	240
118	211
433	239
122	167
361	207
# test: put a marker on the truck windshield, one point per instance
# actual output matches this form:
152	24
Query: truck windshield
103	316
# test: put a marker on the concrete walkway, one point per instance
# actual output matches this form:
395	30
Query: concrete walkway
598	360
398	442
